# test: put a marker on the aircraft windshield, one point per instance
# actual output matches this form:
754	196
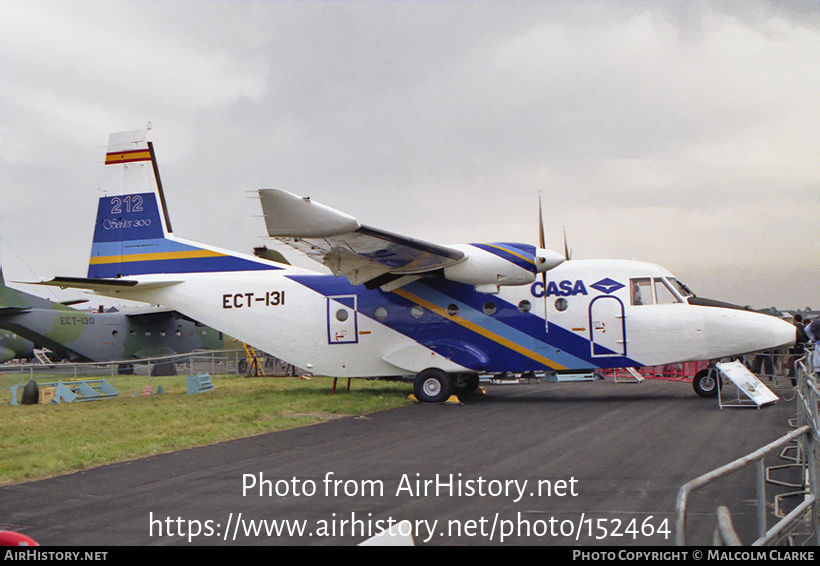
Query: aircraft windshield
663	293
653	291
682	289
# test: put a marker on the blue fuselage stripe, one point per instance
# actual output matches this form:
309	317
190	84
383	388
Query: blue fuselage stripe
523	258
527	330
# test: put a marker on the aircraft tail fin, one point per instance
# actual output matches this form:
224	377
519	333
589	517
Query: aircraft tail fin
13	301
133	235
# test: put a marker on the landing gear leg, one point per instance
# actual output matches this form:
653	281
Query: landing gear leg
465	384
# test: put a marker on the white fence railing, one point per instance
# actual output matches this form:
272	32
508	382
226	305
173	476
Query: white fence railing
805	514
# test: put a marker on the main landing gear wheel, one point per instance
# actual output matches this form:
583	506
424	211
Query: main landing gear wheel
433	386
465	384
706	382
125	369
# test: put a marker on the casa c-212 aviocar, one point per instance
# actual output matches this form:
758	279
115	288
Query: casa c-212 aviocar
397	306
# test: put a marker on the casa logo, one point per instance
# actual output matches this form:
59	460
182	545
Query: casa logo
607	286
565	288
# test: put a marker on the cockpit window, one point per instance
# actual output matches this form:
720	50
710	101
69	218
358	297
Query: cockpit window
682	289
663	293
641	291
655	291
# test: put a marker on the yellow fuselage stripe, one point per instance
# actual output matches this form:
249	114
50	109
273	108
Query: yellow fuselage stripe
509	251
479	330
153	257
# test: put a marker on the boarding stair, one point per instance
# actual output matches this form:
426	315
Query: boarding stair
41	357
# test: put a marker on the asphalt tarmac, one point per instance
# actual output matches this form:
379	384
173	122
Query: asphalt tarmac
596	463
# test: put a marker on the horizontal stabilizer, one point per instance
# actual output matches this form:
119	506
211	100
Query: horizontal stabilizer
8	311
102	284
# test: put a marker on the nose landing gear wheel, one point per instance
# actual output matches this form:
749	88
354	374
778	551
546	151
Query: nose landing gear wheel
706	382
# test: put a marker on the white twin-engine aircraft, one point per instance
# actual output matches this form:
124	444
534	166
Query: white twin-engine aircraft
395	306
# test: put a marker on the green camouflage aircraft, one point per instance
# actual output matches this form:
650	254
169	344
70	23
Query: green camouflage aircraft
88	336
14	347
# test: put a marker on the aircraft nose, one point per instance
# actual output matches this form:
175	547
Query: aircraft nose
790	335
748	331
776	332
781	333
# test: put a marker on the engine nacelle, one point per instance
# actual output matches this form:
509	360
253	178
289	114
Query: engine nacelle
6	354
489	265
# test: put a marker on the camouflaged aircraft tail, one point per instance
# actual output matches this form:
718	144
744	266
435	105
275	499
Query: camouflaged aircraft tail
13	301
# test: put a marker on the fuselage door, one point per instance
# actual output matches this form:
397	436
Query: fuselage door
342	323
606	327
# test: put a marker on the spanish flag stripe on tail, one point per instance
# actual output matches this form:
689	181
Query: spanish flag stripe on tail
127	156
130	237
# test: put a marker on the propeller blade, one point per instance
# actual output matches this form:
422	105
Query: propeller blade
542	241
567	251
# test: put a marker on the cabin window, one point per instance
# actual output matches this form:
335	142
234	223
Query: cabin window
640	291
452	309
490	308
381	313
341	315
663	293
114	333
525	306
416	311
561	304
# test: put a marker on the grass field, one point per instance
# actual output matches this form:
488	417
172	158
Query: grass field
38	441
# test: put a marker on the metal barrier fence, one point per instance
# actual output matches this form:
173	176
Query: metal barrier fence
806	513
152	370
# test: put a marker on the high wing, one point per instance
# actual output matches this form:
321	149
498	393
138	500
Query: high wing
337	240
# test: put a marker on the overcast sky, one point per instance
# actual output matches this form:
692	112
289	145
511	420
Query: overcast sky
682	133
